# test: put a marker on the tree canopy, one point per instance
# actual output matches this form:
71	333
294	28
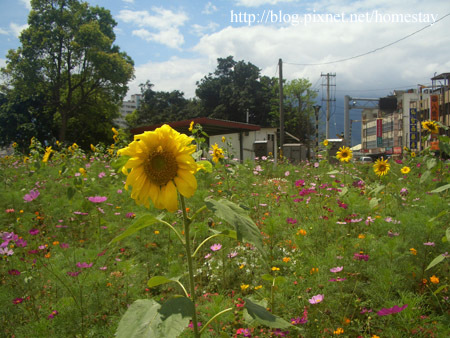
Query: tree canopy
68	70
160	106
236	89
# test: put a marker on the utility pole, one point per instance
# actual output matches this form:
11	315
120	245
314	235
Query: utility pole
280	65
328	100
316	111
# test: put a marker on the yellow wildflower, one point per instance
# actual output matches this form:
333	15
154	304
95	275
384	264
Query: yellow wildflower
405	170
413	251
244	286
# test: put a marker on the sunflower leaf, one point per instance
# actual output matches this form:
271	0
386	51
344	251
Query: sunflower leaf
159	280
147	318
141	223
140	320
234	215
264	317
118	163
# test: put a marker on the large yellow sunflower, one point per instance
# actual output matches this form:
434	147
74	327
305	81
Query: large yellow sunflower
217	153
344	154
431	126
160	164
381	167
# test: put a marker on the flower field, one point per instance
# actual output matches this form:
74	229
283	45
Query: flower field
308	250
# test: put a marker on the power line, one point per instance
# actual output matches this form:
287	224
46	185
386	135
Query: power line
369	52
373	90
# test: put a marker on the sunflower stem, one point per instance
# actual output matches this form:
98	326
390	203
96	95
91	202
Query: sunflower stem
187	222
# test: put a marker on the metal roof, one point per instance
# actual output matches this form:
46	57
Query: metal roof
210	126
442	76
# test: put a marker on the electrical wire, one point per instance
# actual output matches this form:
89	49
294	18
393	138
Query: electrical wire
369	52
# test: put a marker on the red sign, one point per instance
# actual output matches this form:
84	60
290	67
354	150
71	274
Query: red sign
434	107
379	132
397	150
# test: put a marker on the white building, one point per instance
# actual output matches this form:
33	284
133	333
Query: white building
127	108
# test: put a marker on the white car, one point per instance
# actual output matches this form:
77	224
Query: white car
365	159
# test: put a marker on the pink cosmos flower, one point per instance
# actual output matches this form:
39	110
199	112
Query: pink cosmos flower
32	195
316	299
337	269
216	247
429	244
97	199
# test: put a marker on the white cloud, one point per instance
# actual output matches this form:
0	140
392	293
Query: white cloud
209	8
129	1
257	3
400	64
3	32
170	37
27	3
173	74
165	22
200	30
17	29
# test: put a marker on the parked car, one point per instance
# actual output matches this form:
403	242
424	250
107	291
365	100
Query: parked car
365	159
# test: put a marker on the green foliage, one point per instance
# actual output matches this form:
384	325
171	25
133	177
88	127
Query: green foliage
68	62
306	222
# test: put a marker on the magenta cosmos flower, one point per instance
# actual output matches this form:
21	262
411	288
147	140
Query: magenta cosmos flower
316	299
97	199
84	265
389	311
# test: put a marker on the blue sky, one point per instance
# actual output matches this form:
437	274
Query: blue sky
175	43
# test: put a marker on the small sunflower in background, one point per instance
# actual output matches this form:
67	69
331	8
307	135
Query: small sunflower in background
430	126
381	167
344	154
217	153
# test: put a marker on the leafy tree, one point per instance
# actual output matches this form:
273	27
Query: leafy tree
21	119
298	109
67	59
235	90
159	107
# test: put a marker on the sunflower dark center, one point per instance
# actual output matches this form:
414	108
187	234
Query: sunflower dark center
161	167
